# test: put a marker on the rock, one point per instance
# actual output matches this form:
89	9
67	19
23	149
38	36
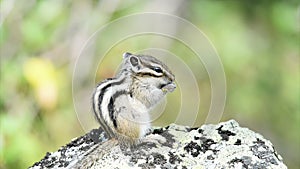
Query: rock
225	145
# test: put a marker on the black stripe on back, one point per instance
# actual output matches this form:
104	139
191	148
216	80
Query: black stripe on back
100	118
103	125
110	106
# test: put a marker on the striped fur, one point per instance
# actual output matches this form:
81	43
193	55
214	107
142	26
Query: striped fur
118	102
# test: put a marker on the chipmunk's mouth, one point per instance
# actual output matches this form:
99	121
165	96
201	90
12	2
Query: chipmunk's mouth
169	87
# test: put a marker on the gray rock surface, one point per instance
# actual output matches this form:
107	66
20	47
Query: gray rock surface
225	145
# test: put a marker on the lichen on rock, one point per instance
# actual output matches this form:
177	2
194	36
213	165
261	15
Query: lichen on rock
225	145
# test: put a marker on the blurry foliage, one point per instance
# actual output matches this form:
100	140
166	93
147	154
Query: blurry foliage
40	74
258	43
41	22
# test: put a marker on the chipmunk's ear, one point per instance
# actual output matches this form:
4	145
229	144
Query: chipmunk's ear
126	55
134	61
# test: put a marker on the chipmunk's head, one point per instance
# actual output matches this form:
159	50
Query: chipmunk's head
150	71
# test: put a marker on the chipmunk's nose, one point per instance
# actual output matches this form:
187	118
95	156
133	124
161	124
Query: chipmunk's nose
170	87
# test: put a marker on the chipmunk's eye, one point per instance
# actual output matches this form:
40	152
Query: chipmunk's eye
157	69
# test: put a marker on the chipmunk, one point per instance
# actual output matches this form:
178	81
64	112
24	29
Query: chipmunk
122	104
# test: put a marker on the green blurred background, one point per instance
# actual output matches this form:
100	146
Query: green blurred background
258	44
